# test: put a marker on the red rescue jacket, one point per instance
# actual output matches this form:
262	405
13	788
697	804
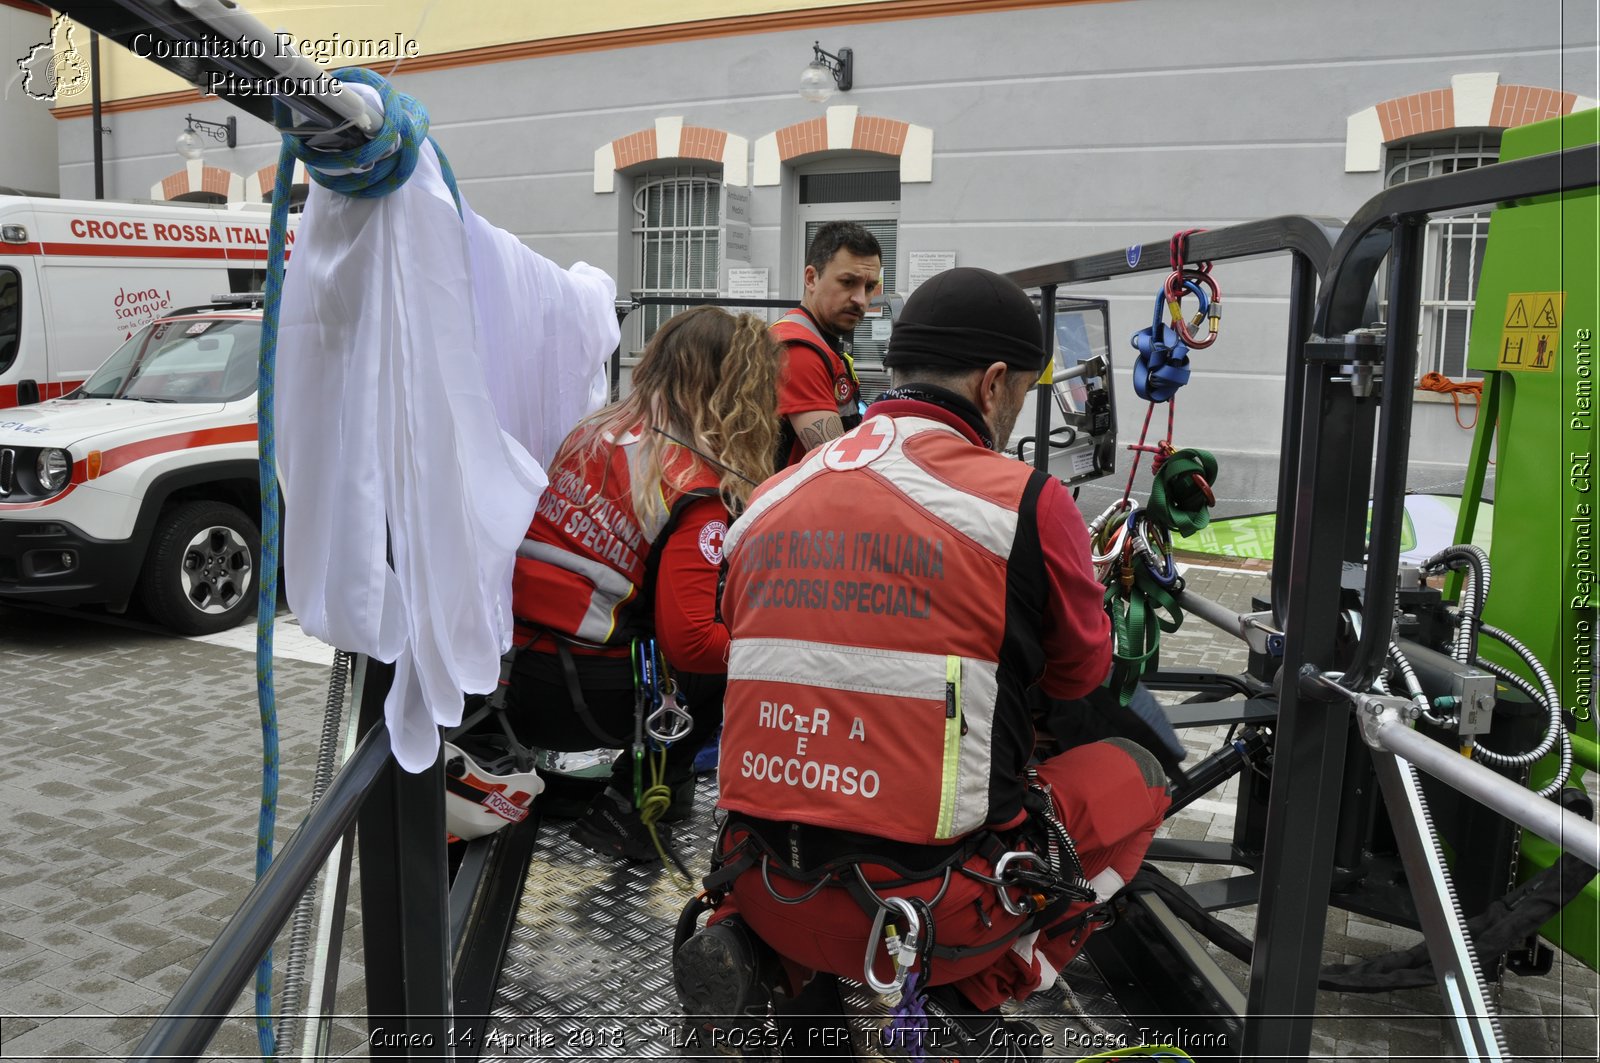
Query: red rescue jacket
885	599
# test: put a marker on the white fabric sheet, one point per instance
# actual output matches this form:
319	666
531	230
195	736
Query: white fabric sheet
427	363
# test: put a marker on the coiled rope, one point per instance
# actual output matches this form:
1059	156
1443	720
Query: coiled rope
1442	384
373	169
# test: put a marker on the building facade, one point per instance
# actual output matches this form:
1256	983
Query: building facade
680	156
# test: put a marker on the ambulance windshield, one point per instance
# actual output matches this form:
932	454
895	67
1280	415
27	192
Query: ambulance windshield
181	360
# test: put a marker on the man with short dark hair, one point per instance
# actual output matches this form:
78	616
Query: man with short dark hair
901	605
818	394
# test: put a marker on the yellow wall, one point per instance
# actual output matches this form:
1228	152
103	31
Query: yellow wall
440	26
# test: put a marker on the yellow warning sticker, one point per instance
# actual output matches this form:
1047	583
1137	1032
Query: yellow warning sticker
1531	335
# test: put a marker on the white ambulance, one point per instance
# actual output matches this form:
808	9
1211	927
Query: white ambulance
79	277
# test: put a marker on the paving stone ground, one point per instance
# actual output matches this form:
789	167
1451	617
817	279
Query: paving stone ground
128	807
128	801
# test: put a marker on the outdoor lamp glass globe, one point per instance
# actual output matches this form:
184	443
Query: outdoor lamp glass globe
189	145
816	83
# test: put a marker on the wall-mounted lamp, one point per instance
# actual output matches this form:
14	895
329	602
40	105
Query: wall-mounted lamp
225	132
826	67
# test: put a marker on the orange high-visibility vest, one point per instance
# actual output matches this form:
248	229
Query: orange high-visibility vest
877	640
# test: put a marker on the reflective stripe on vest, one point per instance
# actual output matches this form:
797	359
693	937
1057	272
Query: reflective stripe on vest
611	588
867	622
990	524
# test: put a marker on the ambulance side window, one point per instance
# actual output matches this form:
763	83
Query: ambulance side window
10	316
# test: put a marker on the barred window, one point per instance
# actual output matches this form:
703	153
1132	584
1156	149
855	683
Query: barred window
677	219
1453	248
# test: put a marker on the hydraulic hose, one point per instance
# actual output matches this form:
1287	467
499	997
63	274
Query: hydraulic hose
294	967
1474	594
1555	733
1413	687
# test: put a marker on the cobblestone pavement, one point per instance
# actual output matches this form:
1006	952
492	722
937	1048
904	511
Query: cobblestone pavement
128	811
128	805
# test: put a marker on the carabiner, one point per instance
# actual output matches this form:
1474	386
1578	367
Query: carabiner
1162	568
899	948
1001	866
1112	510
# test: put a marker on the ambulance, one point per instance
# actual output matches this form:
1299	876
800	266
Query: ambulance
80	277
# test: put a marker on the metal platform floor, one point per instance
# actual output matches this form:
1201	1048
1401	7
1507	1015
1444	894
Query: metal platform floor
588	971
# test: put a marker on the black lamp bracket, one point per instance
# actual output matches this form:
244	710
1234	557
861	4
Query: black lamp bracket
224	132
841	65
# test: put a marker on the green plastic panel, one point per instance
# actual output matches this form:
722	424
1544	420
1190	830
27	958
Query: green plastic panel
1534	339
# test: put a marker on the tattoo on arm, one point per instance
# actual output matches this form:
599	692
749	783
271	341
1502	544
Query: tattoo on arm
817	432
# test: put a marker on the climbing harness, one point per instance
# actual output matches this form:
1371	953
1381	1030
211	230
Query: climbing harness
1037	884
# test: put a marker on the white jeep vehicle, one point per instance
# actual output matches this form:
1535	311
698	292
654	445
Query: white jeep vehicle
143	481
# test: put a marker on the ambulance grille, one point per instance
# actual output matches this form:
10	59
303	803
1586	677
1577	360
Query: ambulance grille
8	471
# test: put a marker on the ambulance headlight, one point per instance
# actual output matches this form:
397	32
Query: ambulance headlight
55	466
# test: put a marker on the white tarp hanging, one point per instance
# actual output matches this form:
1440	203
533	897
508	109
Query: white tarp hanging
427	363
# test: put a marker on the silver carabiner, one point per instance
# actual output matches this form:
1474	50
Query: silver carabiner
1001	866
1112	510
897	947
671	721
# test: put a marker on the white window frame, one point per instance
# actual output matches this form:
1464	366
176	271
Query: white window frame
683	240
1431	156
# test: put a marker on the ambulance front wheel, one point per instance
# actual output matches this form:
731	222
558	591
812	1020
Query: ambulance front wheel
200	575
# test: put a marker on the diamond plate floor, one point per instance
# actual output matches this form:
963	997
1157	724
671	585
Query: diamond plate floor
587	974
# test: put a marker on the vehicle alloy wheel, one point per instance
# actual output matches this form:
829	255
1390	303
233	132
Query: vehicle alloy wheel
216	569
200	575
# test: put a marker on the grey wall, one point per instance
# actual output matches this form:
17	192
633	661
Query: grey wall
1057	132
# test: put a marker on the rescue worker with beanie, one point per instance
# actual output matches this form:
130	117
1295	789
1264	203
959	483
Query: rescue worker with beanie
626	546
903	604
818	394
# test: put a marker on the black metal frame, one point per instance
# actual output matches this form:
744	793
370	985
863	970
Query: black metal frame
1310	242
1329	517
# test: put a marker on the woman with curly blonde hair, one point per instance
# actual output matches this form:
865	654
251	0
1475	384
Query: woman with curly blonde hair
626	550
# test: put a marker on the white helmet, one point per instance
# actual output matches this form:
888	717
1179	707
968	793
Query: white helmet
477	802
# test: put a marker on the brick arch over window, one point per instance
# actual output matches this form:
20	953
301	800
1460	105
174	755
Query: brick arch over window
669	138
1472	101
844	128
259	184
197	177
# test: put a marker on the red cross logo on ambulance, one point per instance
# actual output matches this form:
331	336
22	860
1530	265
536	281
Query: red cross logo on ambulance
861	446
711	537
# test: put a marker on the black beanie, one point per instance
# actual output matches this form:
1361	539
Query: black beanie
966	318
